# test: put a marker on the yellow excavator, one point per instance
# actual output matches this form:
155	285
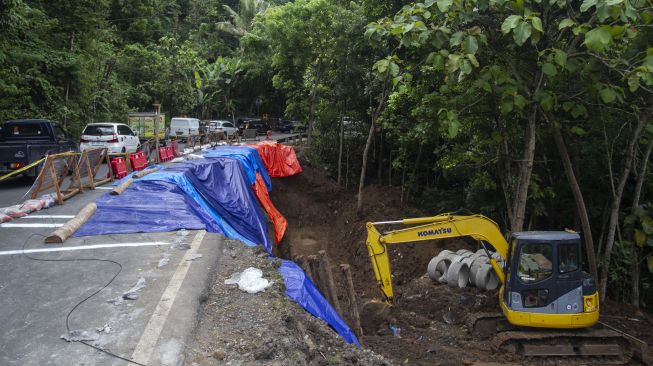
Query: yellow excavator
542	285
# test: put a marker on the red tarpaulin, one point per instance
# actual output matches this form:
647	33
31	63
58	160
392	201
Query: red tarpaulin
280	160
280	223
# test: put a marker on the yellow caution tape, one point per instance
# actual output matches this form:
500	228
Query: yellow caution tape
29	166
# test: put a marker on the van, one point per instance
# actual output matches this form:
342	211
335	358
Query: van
184	127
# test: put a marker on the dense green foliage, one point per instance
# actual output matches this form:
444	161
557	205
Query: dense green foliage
536	113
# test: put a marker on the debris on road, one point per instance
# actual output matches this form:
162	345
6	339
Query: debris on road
79	335
250	280
163	261
193	257
133	293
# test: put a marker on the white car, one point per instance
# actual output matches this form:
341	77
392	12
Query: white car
118	138
226	127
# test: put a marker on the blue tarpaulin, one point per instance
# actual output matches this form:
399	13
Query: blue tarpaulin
303	291
224	184
214	194
168	208
218	186
248	156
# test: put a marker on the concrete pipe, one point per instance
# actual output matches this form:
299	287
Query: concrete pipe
461	251
476	264
431	268
437	267
479	255
444	253
443	266
486	279
458	275
481	251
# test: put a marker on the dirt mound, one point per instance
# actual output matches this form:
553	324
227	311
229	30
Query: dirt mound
266	328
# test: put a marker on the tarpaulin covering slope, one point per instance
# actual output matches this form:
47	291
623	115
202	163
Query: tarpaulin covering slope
280	160
149	206
279	222
300	288
224	184
225	201
250	158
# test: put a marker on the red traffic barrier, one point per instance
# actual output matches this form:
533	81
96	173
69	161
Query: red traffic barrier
175	148
165	154
119	167
138	160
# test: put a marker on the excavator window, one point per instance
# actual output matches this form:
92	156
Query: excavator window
568	258
535	262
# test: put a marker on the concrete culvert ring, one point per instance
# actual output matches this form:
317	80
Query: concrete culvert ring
485	278
476	264
431	269
458	275
457	258
444	253
443	266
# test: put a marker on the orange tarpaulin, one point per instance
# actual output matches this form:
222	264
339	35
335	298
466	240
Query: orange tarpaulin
280	160
280	223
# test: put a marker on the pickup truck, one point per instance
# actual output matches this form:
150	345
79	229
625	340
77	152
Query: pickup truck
24	141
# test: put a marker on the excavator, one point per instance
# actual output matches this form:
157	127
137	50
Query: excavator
549	303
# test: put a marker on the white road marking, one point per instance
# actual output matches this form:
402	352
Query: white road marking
105	188
150	337
48	217
84	247
11	224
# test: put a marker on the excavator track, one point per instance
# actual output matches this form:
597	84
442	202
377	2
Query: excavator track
593	346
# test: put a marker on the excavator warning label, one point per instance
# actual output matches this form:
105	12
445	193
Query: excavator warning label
444	230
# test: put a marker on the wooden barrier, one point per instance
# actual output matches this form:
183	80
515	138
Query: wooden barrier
89	164
53	174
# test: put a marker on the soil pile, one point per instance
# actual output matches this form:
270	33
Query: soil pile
265	328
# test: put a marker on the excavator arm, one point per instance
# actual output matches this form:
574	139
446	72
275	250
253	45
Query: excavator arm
430	228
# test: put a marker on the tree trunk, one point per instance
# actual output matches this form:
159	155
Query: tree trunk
616	203
578	197
505	175
361	182
525	172
313	97
390	168
379	169
341	143
384	94
636	250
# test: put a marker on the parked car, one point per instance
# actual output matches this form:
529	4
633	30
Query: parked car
292	127
183	127
226	127
118	138
25	141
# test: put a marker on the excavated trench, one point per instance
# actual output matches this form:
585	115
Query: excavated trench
431	316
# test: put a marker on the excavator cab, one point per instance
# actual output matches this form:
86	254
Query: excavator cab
545	284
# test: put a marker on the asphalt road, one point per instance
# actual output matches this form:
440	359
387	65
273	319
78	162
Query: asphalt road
43	288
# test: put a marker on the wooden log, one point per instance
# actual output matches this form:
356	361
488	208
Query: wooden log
314	266
61	234
325	267
353	302
121	188
145	172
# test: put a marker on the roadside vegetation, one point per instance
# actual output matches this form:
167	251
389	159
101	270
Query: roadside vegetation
535	113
